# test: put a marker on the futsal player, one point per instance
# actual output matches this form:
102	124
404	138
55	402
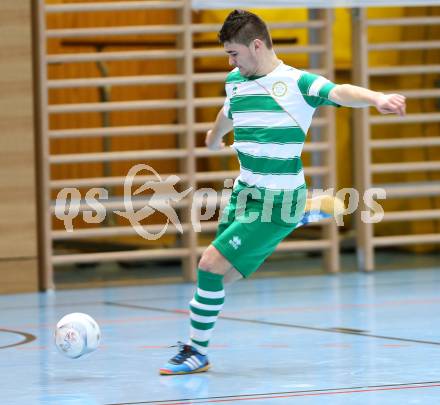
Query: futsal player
269	105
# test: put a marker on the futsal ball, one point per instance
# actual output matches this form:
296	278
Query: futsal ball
77	334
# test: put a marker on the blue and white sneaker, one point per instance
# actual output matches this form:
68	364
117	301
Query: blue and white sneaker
187	361
321	207
312	216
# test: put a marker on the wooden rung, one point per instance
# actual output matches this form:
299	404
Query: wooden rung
117	203
411	189
118	131
209	77
115	31
112	231
116	106
116	81
203	126
114	56
212	52
67	158
306	245
114	6
406	239
297	24
216	176
105	181
199	177
205	152
411	215
293	246
405	167
404	142
145	254
287	50
119	180
403	70
141	155
198	28
409	118
145	155
403	46
316	146
209	226
316	170
417	93
158	79
202	102
387	22
208	52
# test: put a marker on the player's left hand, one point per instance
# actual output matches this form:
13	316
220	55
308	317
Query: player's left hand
391	104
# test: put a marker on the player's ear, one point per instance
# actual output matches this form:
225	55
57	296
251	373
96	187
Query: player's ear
258	44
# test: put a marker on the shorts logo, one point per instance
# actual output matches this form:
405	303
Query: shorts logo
279	89
235	242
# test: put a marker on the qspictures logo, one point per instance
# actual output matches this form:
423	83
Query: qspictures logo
163	195
158	195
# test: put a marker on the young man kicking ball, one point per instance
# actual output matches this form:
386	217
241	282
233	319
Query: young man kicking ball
269	105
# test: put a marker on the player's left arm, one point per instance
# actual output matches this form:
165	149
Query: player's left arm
349	95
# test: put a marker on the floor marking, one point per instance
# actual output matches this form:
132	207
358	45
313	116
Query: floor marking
288	394
344	331
27	338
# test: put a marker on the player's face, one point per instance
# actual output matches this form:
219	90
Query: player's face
242	56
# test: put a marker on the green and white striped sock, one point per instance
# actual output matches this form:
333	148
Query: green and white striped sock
205	307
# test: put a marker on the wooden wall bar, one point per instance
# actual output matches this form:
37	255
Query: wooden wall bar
399	154
142	86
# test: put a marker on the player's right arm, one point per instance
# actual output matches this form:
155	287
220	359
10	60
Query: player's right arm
214	136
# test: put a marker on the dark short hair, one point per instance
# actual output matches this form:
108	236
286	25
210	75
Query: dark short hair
243	27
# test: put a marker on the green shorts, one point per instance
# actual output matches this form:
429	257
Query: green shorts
251	226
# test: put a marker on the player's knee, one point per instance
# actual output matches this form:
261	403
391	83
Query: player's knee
212	261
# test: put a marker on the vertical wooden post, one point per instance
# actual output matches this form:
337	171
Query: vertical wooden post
332	255
325	61
361	128
42	147
190	237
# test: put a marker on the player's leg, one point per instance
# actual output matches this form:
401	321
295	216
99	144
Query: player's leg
328	204
321	207
204	310
238	245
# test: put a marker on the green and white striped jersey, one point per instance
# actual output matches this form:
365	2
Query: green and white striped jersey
271	116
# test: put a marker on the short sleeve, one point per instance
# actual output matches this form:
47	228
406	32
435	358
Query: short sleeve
315	89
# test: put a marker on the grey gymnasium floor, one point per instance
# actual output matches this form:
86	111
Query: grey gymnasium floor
311	338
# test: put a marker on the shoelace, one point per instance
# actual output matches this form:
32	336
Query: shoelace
185	351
